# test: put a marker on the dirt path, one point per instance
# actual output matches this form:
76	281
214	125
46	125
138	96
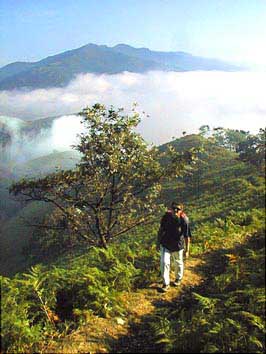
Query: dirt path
128	334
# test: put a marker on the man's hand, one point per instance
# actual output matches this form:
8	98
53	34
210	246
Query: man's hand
186	254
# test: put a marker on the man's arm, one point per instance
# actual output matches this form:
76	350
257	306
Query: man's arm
187	235
160	234
187	246
159	237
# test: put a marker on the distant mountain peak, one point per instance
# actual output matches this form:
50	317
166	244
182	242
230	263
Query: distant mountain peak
58	70
129	47
122	45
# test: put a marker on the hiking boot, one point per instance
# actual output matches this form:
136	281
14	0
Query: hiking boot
165	288
177	283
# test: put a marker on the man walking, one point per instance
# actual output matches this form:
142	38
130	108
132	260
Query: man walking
174	234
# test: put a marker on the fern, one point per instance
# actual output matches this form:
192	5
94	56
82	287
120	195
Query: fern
252	319
204	302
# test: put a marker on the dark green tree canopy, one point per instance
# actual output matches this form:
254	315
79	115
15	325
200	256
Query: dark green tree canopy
252	149
116	185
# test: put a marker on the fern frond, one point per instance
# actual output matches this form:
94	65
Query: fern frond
252	319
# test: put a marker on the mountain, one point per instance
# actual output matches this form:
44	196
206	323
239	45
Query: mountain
58	70
175	61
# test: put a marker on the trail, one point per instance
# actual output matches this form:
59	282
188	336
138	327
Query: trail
129	334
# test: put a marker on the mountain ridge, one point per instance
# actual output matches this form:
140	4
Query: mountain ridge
59	69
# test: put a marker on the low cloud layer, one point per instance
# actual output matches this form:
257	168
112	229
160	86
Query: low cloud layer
176	102
19	143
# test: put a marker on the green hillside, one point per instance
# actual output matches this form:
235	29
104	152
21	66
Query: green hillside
8	206
219	184
14	232
38	167
220	305
47	164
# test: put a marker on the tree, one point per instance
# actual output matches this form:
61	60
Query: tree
228	138
204	130
252	149
234	138
219	136
115	185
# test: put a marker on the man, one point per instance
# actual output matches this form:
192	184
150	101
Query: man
174	234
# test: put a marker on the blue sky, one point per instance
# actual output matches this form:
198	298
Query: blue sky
234	30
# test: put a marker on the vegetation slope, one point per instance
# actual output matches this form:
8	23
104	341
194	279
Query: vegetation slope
16	215
224	198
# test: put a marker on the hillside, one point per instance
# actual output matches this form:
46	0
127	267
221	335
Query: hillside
58	70
219	181
231	182
14	232
107	300
44	165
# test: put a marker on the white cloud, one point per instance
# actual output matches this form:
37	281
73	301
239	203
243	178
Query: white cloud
176	102
64	132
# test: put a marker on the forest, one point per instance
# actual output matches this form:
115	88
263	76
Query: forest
89	278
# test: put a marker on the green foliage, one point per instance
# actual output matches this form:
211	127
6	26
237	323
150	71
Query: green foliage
229	138
252	150
204	130
116	185
224	199
226	314
225	231
20	332
39	304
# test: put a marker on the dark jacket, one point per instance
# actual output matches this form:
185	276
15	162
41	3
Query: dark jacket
173	230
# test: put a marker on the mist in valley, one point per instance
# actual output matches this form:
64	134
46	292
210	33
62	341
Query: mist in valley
175	101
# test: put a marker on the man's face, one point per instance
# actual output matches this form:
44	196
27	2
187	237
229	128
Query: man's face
176	210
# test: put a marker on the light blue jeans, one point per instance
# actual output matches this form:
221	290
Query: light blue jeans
177	258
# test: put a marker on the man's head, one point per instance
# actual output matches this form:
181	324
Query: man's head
176	207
